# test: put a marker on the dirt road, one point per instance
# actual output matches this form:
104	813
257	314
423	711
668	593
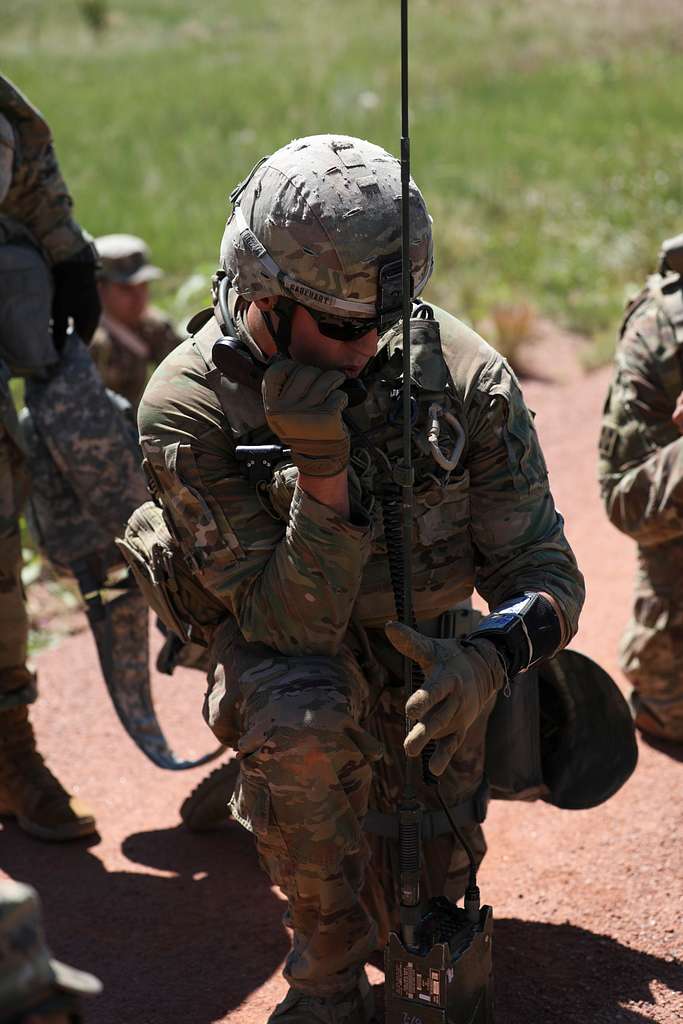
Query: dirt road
185	929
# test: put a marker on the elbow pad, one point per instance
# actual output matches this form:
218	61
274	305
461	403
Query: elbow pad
524	629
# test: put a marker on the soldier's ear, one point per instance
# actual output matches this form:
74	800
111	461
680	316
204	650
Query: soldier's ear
267	304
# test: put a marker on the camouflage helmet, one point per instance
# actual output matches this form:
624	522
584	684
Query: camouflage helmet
316	221
588	744
564	735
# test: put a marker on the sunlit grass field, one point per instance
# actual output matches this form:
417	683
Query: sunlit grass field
546	136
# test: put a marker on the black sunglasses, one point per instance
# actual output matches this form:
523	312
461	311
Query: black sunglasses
339	329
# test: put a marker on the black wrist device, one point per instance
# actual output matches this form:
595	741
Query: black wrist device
524	629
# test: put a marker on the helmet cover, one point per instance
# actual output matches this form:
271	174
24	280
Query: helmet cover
317	220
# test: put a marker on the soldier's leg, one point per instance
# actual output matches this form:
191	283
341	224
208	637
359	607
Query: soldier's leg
14	676
28	790
651	649
306	769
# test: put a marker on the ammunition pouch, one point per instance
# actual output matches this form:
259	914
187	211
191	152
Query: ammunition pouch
514	765
150	551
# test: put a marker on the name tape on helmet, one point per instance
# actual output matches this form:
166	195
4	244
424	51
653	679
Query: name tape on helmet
297	288
290	284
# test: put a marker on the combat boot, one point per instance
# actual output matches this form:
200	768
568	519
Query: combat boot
28	789
647	723
206	807
354	1007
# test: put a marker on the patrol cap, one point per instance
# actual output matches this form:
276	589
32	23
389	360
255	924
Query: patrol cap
588	744
125	260
671	255
29	975
317	220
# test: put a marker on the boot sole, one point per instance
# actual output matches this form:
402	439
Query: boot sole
198	810
59	833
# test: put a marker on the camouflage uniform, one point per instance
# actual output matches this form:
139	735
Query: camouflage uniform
13	638
292	600
35	205
35	214
641	478
123	351
122	356
38	239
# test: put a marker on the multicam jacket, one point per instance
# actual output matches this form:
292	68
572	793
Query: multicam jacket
290	570
641	477
36	206
123	356
641	450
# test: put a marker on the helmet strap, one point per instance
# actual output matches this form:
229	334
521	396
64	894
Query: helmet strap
282	334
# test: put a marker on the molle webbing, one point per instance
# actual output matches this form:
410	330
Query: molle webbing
471	811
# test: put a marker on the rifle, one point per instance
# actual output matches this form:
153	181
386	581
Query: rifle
439	969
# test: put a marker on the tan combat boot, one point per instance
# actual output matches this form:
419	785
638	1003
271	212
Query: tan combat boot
206	807
651	726
354	1007
28	789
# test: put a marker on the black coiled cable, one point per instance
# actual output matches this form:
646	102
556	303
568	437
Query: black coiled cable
391	514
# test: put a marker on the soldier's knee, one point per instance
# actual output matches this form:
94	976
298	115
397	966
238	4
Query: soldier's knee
308	746
307	702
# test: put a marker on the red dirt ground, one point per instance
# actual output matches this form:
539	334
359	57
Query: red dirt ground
186	928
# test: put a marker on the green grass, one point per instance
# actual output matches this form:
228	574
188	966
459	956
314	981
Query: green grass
546	135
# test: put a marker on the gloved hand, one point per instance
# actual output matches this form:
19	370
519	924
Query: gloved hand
304	408
460	677
75	296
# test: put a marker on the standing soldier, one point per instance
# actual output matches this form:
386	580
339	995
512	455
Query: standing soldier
131	334
81	452
47	268
277	557
641	478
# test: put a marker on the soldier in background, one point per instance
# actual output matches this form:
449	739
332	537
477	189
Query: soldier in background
131	334
284	574
641	479
34	987
78	445
47	269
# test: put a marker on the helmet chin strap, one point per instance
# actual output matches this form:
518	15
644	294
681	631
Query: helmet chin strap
282	334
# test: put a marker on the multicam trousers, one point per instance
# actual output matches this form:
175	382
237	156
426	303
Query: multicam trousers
652	644
14	676
320	740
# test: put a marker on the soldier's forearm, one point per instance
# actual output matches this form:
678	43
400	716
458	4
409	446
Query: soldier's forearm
314	574
646	502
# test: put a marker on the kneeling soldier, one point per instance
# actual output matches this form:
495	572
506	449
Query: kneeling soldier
274	505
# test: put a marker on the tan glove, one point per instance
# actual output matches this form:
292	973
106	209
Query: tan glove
460	678
304	408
